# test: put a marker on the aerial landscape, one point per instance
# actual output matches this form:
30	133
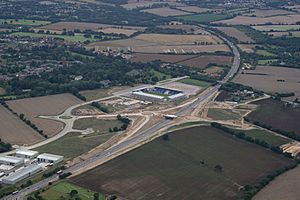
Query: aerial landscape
149	99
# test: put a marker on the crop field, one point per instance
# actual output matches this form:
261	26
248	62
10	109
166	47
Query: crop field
205	17
237	34
284	33
187	27
144	57
195	82
268	12
163	43
63	189
266	136
223	114
98	125
266	78
74	144
245	20
268	28
194	9
127	32
14	131
248	48
287	118
47	106
286	186
78	37
101	93
24	22
203	61
60	26
165	12
190	155
143	4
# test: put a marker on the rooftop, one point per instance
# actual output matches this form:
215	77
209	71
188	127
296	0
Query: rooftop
48	156
11	159
148	95
26	152
22	172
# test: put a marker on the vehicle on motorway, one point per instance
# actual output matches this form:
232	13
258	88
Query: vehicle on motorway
170	117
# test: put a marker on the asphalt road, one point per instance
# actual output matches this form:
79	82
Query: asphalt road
141	136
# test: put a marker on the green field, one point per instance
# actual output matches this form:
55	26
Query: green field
223	114
74	144
264	53
2	91
184	167
24	22
263	135
195	82
268	28
160	75
78	37
205	18
266	62
98	125
62	190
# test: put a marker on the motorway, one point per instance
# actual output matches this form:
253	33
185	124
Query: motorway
139	137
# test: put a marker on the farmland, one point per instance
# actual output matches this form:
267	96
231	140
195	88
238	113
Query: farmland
194	9
189	156
63	189
268	12
165	12
223	114
266	78
203	61
245	20
144	4
164	43
205	17
14	131
144	57
272	28
47	106
195	82
74	144
237	34
284	187
101	93
287	118
248	48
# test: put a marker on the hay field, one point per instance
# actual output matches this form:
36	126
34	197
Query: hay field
237	34
127	32
194	9
268	13
266	78
144	4
165	12
184	168
163	43
203	61
245	20
147	57
47	105
187	27
268	28
286	186
15	131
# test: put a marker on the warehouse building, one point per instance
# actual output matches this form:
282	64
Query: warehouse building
11	160
147	97
49	158
21	174
26	154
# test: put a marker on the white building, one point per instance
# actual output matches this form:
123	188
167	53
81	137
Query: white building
50	158
27	154
21	174
11	160
147	97
177	97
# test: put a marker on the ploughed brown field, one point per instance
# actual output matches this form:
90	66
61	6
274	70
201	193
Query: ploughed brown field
184	167
273	113
237	34
165	11
46	106
203	61
15	131
272	79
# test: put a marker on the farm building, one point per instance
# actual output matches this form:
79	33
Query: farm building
49	158
27	154
21	174
11	160
158	94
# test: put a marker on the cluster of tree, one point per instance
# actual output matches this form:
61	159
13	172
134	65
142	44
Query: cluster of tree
126	121
4	147
233	87
51	172
165	30
282	95
100	107
242	136
250	191
27	184
64	175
